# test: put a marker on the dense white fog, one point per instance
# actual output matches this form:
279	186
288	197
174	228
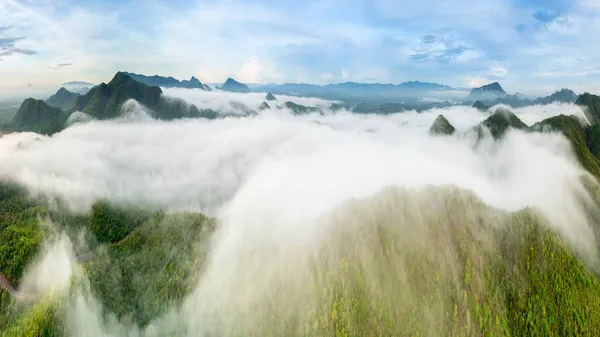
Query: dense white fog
269	177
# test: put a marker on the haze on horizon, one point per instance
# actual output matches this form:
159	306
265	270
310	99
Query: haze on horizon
530	46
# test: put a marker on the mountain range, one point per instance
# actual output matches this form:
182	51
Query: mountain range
168	82
106	100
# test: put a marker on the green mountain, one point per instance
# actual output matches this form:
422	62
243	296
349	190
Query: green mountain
63	99
561	96
105	100
585	140
591	105
499	122
300	109
37	116
480	106
441	126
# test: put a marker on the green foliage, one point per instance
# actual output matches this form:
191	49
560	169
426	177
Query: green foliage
591	105
579	138
152	269
105	100
20	232
37	116
42	319
501	120
592	140
111	224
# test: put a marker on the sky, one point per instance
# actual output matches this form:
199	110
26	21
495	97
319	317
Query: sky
529	46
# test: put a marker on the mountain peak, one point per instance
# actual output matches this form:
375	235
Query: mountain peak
37	116
441	126
270	97
62	99
234	86
487	92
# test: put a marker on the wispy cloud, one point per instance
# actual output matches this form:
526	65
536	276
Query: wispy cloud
8	44
452	41
62	65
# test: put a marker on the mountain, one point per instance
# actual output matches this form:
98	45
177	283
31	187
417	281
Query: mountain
235	86
105	100
63	99
355	92
300	109
488	91
167	82
561	96
480	106
500	121
264	106
591	105
441	126
585	140
37	116
270	97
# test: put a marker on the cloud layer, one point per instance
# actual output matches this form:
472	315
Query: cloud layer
273	180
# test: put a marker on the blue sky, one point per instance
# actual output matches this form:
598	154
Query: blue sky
529	46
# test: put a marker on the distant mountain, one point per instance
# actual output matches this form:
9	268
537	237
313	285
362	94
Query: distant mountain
37	116
270	97
513	101
441	126
63	99
488	91
300	109
480	106
168	82
235	86
591	104
562	96
105	100
78	84
358	92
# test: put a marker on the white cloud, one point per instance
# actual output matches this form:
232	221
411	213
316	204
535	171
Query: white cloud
498	71
345	74
274	179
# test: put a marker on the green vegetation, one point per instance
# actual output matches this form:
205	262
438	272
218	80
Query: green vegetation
591	105
583	140
141	265
37	116
441	126
501	120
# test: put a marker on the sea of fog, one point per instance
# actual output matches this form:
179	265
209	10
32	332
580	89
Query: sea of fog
269	177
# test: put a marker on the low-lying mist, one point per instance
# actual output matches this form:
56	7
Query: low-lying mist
306	203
